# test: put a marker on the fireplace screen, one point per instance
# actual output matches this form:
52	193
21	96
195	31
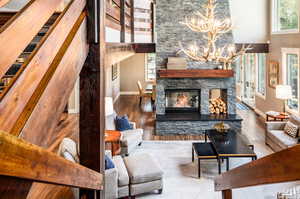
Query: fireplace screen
182	100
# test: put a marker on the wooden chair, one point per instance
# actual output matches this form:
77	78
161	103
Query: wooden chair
143	93
153	97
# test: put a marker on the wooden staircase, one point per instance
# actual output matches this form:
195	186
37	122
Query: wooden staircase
43	53
15	70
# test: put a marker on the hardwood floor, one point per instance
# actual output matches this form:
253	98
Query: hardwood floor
145	118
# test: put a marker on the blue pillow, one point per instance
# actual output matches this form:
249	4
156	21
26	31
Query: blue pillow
122	123
108	163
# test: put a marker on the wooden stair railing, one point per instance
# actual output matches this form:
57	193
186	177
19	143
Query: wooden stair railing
283	166
16	106
21	159
11	43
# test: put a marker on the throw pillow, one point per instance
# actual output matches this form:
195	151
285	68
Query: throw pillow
67	155
122	123
108	163
291	129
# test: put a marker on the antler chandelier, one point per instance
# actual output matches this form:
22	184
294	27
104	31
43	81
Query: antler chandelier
208	23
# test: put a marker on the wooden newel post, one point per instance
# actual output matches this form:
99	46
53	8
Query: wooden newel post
227	194
92	119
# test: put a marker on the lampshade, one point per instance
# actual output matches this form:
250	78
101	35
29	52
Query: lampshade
109	107
284	92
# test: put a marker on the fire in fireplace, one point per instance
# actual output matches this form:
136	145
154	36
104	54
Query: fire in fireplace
182	100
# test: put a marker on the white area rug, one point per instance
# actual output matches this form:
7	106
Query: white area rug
181	178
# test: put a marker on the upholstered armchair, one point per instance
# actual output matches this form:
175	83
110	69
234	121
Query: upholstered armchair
130	139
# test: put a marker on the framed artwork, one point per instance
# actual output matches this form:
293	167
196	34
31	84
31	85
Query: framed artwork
114	74
273	74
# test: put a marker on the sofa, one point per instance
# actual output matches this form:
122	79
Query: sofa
116	179
132	175
130	139
275	136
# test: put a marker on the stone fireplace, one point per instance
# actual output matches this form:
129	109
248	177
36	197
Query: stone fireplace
182	100
190	105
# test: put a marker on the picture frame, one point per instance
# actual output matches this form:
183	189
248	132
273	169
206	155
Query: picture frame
273	74
114	74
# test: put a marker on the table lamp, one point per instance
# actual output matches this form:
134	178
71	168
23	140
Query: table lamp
284	92
109	107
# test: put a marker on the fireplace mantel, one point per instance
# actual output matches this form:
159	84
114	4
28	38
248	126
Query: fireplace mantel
195	73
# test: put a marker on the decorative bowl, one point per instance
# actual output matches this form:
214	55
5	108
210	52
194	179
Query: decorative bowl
221	127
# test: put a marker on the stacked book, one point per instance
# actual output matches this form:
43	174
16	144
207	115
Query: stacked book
176	63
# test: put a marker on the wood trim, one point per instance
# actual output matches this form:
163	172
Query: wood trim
144	47
265	170
195	73
64	70
113	12
12	106
110	22
11	44
255	47
227	194
27	161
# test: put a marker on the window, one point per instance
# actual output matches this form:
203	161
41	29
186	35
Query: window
291	76
285	16
261	74
150	67
238	70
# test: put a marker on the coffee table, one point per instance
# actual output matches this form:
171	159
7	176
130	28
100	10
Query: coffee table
223	147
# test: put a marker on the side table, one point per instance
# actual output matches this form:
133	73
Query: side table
113	137
277	117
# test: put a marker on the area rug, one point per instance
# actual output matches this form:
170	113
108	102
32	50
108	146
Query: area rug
180	174
242	106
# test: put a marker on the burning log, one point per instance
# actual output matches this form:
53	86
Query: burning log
217	106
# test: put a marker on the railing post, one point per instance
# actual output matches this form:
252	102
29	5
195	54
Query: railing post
152	22
132	20
227	194
91	119
122	20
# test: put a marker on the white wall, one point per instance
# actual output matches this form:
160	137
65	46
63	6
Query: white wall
132	70
250	19
112	87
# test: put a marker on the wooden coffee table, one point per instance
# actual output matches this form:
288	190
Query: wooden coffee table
113	137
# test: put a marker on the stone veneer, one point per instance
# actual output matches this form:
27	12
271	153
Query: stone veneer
169	14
